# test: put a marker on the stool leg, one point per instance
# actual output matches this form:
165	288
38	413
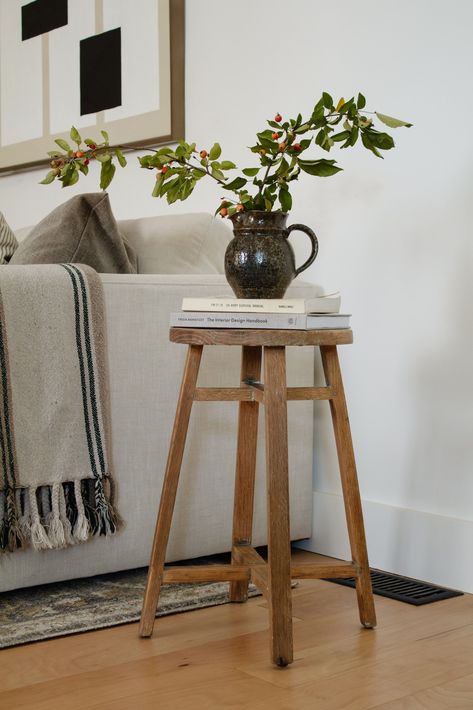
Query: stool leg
351	492
168	495
245	465
279	547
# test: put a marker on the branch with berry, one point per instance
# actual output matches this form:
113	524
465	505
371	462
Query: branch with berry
279	149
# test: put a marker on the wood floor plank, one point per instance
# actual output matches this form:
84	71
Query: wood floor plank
454	695
417	658
62	657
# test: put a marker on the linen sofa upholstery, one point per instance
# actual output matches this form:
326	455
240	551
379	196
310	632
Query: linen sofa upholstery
145	372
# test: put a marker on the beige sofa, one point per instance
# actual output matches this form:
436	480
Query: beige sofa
178	256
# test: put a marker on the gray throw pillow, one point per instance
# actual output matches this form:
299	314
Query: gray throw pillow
8	242
82	230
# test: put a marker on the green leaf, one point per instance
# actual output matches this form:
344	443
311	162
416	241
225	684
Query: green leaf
70	175
49	178
283	168
105	136
157	186
392	122
250	172
318	113
227	165
354	135
285	199
74	177
268	143
320	168
166	151
302	129
266	134
217	174
120	157
186	189
75	136
346	107
368	144
106	174
55	154
327	99
236	184
104	157
63	144
380	140
342	136
215	151
360	102
83	168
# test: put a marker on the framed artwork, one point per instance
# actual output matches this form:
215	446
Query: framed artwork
110	65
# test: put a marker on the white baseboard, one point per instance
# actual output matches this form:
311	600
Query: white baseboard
430	547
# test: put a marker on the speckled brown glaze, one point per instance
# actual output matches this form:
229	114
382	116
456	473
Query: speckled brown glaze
259	261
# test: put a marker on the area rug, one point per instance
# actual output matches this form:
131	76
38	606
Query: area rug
64	608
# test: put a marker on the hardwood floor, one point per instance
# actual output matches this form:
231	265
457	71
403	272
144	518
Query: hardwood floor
419	658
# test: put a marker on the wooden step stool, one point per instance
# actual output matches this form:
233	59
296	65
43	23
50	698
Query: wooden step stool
274	577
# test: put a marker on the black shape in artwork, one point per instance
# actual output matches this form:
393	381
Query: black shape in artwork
100	72
42	16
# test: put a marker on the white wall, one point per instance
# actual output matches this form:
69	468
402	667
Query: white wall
395	237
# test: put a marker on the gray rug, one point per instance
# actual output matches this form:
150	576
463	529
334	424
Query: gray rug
52	610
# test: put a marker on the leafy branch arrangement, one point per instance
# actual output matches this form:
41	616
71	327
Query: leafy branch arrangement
279	149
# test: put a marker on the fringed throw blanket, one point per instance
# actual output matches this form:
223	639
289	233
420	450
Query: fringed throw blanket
55	484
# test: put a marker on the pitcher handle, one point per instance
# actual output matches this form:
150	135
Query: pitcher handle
314	242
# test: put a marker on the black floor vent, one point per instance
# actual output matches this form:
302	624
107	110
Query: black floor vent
404	589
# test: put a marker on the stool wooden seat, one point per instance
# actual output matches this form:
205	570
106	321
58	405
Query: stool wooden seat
273	578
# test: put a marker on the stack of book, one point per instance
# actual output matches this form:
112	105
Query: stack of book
320	312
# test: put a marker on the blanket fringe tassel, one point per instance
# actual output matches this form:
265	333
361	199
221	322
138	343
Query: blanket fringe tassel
55	516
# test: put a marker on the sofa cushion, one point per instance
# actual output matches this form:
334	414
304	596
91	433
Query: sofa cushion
82	230
8	243
178	244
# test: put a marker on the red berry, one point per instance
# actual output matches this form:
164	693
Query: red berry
92	146
86	161
223	212
164	169
239	208
79	154
275	136
296	146
278	118
203	154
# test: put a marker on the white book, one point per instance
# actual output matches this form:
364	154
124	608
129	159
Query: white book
328	303
296	321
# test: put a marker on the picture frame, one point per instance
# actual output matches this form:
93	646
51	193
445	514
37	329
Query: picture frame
97	65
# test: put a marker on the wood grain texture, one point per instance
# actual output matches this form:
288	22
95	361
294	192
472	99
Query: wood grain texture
277	485
245	469
419	658
349	479
205	573
255	337
246	555
169	490
318	571
309	393
222	394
